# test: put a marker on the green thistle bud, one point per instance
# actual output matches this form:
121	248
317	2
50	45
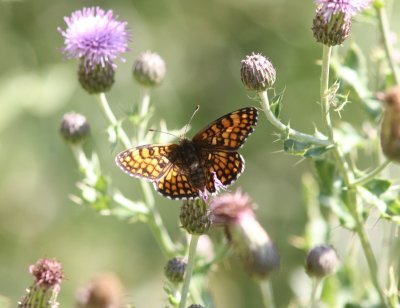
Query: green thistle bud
103	291
97	78
74	127
390	128
195	216
248	238
322	261
195	306
175	270
48	275
257	72
333	31
149	69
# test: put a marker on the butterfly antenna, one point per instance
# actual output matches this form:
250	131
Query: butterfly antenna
161	132
190	121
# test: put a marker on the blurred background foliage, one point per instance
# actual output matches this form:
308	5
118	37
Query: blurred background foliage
202	43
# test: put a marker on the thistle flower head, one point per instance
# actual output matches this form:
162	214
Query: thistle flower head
94	35
249	240
74	127
195	216
349	8
149	69
47	272
175	270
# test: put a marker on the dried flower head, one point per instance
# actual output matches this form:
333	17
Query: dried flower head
195	216
74	127
95	36
103	291
390	127
248	238
149	69
257	72
175	270
322	261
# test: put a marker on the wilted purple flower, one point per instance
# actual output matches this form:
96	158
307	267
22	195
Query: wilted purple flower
348	7
95	36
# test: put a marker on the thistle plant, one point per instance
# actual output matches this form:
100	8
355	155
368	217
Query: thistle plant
197	169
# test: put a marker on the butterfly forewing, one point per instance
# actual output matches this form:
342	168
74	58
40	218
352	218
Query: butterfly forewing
229	131
148	161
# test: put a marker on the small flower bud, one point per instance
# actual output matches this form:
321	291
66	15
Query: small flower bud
149	69
195	216
74	127
48	275
390	127
248	238
257	72
322	261
103	291
333	31
195	306
175	270
96	79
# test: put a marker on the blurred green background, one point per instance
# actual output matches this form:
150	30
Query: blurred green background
202	43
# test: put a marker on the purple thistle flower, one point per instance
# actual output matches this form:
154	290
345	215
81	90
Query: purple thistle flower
95	36
348	8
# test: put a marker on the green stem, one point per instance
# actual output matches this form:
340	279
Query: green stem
385	32
113	120
346	174
315	292
154	218
293	134
266	292
189	269
83	163
143	111
371	175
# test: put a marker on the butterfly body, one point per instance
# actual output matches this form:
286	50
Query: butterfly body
196	166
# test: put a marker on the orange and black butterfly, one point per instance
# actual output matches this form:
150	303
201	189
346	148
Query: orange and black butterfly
194	168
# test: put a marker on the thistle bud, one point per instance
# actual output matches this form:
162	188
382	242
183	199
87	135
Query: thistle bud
257	72
103	291
195	216
175	270
390	127
48	275
331	32
195	306
97	78
149	69
248	238
74	127
322	261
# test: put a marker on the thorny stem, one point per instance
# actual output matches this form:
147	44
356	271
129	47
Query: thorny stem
371	175
267	294
385	32
154	218
286	129
189	269
347	175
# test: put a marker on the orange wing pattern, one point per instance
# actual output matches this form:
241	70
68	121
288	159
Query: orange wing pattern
176	185
148	161
229	131
226	166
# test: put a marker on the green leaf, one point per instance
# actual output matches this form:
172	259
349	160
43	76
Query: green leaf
326	174
378	186
316	152
296	147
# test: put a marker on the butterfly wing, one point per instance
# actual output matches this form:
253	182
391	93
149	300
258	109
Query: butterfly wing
222	166
174	184
150	162
230	131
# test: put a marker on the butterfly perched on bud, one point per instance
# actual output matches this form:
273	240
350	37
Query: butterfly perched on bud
194	167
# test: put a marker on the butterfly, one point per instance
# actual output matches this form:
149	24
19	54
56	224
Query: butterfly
197	167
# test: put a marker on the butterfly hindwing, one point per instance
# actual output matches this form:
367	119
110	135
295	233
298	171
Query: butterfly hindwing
176	185
229	131
147	161
224	167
